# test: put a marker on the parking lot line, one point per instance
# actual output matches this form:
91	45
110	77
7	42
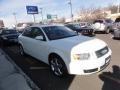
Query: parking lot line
29	61
112	78
34	68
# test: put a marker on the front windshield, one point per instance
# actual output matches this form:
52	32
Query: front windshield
73	26
77	26
58	32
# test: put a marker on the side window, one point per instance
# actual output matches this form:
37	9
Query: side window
37	32
27	32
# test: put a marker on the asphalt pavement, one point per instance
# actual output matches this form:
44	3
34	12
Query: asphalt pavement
39	72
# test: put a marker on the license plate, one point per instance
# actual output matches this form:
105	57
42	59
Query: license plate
107	60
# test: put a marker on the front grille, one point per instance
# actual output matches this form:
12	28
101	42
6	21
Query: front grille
91	70
12	37
87	31
102	52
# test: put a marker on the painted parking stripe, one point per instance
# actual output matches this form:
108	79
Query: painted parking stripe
34	68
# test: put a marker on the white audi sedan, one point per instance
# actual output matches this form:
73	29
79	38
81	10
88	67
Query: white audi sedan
64	50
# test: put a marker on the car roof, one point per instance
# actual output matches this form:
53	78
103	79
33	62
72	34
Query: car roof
99	19
48	25
73	24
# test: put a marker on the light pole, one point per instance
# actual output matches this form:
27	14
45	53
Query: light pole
14	14
70	3
118	9
41	11
34	18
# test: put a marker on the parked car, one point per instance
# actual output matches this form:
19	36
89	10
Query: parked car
116	33
64	50
8	36
103	25
81	29
83	24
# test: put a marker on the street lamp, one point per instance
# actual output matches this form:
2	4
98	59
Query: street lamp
118	9
70	3
14	14
41	11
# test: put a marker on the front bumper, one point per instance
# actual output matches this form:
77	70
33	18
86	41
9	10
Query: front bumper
87	31
8	41
116	34
100	30
85	67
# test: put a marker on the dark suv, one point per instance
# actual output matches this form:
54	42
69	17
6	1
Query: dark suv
80	29
8	36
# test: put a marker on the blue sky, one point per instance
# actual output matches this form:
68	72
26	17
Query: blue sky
59	7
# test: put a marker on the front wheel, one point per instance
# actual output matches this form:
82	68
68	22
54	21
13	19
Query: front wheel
21	50
57	66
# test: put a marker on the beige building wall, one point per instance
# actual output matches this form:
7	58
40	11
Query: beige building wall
114	16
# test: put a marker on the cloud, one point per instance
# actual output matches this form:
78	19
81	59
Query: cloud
59	7
8	7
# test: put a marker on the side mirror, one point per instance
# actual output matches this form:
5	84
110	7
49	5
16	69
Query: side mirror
39	38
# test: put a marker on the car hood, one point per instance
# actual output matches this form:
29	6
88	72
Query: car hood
81	43
11	35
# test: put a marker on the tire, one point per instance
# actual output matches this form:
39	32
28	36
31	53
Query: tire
107	31
57	66
3	44
116	38
21	50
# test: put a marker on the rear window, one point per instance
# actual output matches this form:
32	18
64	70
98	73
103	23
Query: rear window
98	21
108	20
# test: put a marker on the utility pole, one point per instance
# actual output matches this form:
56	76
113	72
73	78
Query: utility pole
41	11
118	9
34	18
14	14
70	3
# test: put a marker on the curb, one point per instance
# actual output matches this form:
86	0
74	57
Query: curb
32	85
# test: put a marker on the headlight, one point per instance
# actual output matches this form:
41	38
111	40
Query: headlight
84	56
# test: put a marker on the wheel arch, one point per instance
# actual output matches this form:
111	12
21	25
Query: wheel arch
61	56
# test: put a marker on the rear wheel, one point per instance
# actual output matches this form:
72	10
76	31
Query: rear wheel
3	44
57	66
107	31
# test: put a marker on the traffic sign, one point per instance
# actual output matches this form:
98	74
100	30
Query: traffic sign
32	9
49	16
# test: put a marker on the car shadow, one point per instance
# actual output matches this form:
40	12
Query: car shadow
98	32
38	71
117	39
89	35
111	79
